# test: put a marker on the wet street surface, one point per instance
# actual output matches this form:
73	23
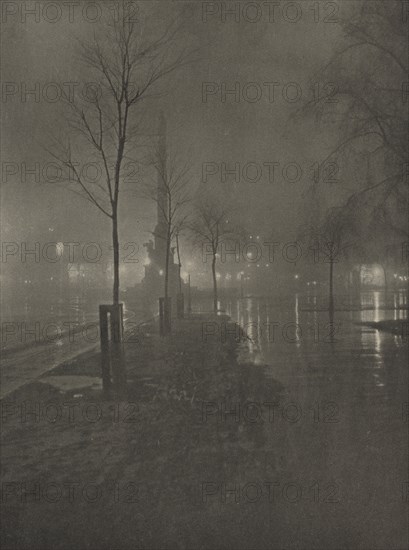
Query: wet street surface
344	411
296	437
36	341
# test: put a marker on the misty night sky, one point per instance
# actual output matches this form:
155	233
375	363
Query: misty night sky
205	132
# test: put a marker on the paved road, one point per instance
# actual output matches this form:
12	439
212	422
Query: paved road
33	356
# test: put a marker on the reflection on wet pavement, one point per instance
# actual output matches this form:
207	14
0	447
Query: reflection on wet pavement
347	386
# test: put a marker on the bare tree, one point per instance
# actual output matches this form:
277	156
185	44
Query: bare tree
369	104
177	235
126	65
210	227
331	238
180	230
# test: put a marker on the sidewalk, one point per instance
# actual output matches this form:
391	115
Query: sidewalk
134	472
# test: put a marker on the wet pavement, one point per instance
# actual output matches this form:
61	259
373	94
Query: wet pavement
303	444
344	411
36	342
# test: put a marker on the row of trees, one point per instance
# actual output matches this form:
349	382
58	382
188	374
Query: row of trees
368	101
130	66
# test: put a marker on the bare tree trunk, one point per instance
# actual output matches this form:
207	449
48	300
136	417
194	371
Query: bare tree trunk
168	243
167	265
179	264
115	238
214	283
115	242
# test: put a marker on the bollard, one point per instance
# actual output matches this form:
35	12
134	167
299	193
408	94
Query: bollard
111	339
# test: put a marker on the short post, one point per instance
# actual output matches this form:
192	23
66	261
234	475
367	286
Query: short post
117	323
111	339
180	306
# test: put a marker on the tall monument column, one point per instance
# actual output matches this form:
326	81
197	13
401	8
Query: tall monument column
154	280
161	200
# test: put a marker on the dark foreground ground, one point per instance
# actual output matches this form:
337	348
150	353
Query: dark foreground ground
191	455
